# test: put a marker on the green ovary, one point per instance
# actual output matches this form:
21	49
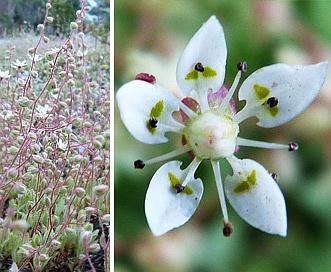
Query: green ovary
212	135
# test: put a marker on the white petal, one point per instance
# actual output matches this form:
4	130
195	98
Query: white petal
295	87
208	47
165	208
136	100
256	197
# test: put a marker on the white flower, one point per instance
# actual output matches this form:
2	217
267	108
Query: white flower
4	74
62	145
43	111
6	114
19	64
209	123
35	58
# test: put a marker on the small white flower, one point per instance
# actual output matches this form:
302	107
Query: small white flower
19	64
62	145
209	124
43	111
36	58
6	114
4	74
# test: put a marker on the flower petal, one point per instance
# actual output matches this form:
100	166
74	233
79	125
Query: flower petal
277	93
256	197
165	208
146	111
207	47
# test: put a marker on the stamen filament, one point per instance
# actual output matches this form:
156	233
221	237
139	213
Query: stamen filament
259	144
191	170
218	178
229	95
183	149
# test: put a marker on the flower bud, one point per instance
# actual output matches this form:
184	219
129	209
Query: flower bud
105	218
100	190
96	144
27	177
45	40
86	237
71	82
12	150
32	50
87	8
93	248
90	210
19	225
40	27
73	26
37	158
77	158
87	124
80	192
12	173
49	19
24	102
48	5
19	188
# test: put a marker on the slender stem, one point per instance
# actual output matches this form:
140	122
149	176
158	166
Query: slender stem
218	178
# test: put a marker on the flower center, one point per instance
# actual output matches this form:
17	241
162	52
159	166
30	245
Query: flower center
212	135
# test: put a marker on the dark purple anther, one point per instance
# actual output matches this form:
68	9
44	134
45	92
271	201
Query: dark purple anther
153	122
272	101
242	66
275	176
293	146
139	164
199	67
227	229
179	188
146	77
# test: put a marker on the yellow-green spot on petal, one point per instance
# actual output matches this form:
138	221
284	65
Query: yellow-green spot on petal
157	109
209	72
174	181
251	179
246	185
192	75
188	190
273	111
156	112
242	187
261	91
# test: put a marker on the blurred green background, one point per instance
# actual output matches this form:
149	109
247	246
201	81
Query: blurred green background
149	37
